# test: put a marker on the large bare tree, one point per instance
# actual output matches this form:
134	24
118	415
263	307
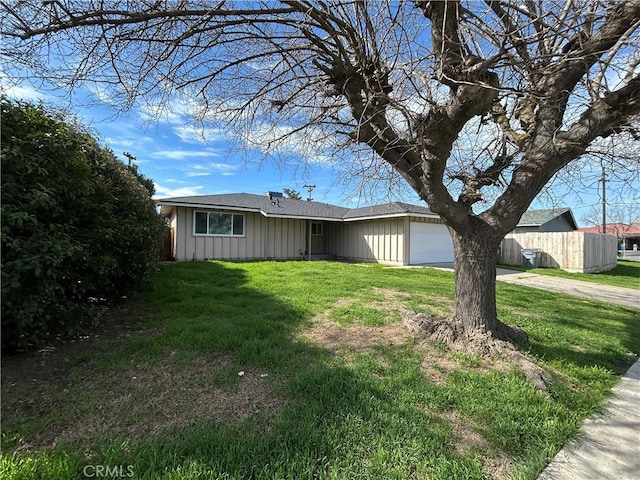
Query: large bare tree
477	105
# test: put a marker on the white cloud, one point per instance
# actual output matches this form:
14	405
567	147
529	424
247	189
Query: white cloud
21	92
184	154
179	113
223	167
101	92
194	134
209	168
119	142
163	191
175	110
197	174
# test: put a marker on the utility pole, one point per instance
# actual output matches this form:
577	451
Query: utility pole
129	157
309	189
309	222
604	201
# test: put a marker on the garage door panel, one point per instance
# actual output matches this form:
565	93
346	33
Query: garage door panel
429	243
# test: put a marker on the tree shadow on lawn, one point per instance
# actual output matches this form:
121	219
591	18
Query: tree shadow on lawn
624	268
572	330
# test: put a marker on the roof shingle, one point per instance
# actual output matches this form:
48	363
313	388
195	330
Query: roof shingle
540	217
295	208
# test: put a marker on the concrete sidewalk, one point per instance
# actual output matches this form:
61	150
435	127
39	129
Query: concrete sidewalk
608	446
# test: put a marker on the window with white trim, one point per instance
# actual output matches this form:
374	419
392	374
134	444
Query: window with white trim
316	228
218	223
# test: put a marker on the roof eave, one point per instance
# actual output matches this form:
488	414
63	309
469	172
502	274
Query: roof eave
209	206
392	215
301	217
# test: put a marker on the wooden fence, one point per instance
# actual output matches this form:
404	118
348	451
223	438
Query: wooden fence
572	251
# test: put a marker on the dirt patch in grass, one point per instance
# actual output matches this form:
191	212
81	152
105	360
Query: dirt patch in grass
336	338
383	299
435	305
467	438
499	466
436	364
59	395
142	402
114	328
392	299
161	397
439	361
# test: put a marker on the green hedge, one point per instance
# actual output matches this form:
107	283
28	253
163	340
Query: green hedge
79	228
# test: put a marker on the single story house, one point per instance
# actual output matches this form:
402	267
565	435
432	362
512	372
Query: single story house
548	220
247	226
628	235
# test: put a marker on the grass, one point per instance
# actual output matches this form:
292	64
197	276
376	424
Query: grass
272	370
625	274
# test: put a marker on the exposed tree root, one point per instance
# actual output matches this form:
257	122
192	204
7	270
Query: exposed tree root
451	333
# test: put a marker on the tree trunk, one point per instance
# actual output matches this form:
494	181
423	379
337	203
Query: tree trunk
475	327
475	275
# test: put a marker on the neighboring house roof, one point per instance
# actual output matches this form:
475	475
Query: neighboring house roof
619	229
537	218
287	207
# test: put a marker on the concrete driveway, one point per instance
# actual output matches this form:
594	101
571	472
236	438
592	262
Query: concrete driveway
627	297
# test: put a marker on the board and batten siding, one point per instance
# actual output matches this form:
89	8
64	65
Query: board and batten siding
285	237
370	241
278	238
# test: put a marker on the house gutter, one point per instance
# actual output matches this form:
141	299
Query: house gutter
301	217
352	219
392	215
210	207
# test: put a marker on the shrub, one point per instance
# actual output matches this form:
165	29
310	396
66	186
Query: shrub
78	228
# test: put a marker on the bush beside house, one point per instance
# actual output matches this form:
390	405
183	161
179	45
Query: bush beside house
78	226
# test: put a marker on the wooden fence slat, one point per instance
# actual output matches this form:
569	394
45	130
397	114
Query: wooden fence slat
572	251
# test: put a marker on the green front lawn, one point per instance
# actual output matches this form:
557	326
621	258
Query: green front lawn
272	370
626	274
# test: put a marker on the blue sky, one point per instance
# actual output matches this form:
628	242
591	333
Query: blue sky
172	151
182	158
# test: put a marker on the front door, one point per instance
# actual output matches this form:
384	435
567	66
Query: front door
318	243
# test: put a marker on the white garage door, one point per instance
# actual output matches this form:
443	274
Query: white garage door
429	243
